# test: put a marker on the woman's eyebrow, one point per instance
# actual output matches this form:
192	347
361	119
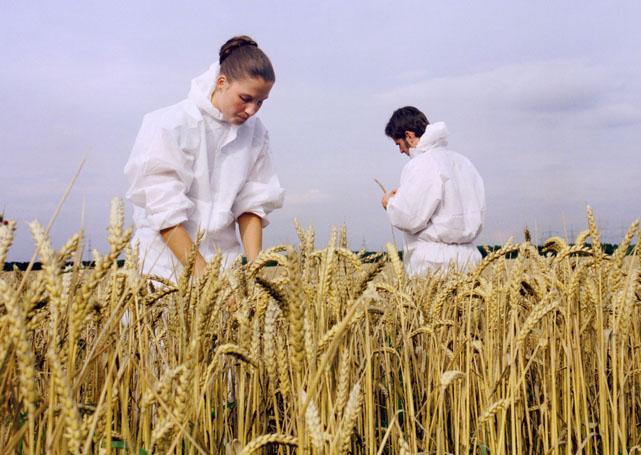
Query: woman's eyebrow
252	97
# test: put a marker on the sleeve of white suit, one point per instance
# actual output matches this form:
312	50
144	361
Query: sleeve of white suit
262	192
160	173
418	196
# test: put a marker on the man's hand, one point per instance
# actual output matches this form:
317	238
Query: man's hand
387	196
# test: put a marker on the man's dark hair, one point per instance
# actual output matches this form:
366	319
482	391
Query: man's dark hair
407	118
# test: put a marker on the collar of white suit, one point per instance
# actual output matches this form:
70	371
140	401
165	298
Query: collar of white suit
435	135
202	88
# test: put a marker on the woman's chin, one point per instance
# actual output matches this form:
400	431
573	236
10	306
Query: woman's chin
234	119
239	120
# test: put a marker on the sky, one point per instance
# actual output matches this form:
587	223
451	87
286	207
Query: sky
543	97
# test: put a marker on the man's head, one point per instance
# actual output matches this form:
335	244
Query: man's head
405	127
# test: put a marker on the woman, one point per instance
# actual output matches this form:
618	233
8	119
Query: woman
204	164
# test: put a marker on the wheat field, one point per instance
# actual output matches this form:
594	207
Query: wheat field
325	353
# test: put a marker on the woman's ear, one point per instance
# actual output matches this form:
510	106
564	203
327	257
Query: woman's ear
221	81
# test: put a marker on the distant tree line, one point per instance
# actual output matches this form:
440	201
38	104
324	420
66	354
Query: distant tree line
369	256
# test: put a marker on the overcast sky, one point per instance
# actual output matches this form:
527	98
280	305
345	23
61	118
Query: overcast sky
545	100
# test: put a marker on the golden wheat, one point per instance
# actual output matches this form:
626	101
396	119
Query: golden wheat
323	353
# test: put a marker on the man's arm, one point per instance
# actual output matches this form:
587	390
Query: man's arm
411	206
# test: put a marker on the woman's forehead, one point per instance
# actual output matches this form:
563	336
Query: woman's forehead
254	86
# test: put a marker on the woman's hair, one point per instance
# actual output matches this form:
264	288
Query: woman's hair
407	118
240	58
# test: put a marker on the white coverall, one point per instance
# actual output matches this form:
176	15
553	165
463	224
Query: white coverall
439	206
189	166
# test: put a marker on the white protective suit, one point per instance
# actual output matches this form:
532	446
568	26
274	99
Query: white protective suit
189	166
440	206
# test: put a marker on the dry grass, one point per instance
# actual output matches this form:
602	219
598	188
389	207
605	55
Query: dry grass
325	355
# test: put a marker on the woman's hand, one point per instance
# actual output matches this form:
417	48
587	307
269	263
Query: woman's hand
387	196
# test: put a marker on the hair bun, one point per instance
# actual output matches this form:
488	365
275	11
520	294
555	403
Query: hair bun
235	43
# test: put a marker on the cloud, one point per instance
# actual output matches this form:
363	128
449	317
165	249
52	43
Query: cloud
557	87
311	196
614	115
411	75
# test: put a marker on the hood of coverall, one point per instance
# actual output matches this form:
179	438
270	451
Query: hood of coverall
201	90
435	135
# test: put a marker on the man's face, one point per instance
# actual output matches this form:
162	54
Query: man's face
403	146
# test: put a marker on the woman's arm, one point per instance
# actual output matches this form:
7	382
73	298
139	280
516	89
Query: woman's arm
250	226
178	240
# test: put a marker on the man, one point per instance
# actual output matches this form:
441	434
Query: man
440	203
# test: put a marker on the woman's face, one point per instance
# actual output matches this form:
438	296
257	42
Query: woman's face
240	99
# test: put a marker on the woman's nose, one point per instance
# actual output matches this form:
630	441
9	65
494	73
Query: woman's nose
251	109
